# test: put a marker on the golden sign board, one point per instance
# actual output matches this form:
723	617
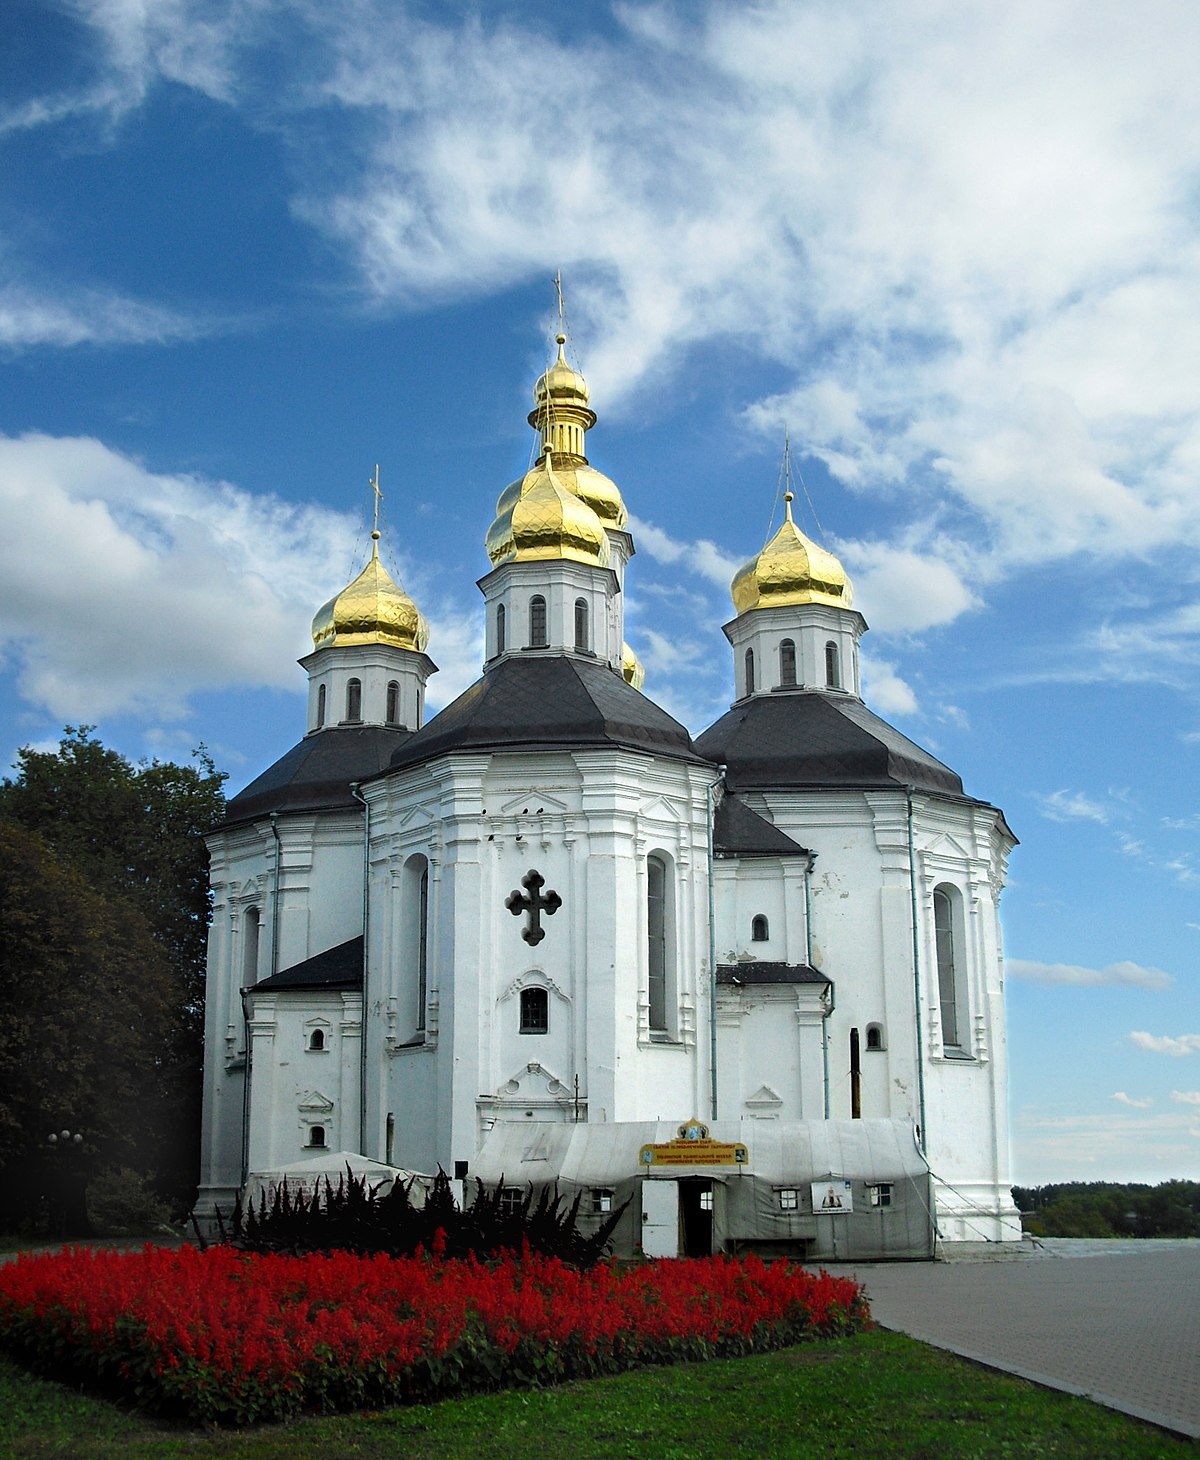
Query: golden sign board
693	1146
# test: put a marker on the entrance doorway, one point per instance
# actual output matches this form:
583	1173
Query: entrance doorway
696	1216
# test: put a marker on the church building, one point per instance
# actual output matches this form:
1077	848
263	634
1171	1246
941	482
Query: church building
550	935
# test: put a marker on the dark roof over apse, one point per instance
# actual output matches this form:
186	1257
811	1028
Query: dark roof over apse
740	832
317	774
550	701
336	968
811	739
735	975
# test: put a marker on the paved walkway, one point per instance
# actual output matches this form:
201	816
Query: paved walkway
1118	1322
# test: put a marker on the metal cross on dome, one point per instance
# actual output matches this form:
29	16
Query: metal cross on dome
532	902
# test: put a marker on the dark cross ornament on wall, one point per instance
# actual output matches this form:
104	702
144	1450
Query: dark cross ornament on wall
533	902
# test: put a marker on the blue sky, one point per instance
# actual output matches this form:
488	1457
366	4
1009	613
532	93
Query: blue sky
249	248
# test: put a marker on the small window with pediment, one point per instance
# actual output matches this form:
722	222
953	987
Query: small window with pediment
316	1040
316	1135
760	930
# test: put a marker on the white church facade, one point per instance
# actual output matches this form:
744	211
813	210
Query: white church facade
547	931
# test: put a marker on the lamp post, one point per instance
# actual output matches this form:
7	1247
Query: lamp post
68	1191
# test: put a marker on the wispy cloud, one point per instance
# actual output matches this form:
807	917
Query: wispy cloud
1067	805
1130	1145
1122	1099
1177	1046
65	318
1186	1097
1115	975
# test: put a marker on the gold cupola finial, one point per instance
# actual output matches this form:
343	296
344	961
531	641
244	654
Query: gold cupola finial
373	609
791	570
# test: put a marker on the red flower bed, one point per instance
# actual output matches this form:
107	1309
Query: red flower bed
230	1337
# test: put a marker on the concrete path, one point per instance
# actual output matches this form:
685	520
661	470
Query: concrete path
1118	1322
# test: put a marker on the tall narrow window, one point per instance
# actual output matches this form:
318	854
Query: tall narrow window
759	929
500	616
949	969
253	933
749	671
393	702
354	700
787	664
833	673
422	947
657	929
535	1011
537	622
320	705
581	624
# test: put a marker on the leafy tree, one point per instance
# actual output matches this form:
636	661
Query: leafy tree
91	1017
1111	1209
134	833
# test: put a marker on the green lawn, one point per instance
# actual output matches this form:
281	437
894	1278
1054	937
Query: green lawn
881	1394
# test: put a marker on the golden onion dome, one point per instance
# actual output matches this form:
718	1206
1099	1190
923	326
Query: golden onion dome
372	610
791	569
632	668
592	487
538	519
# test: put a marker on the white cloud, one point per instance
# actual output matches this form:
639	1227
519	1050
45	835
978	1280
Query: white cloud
1186	1097
1115	975
93	317
961	235
122	589
1122	1099
703	557
1065	805
1175	1046
885	689
1109	1145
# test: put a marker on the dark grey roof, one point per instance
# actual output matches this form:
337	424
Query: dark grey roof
812	739
760	973
336	968
317	774
739	831
548	701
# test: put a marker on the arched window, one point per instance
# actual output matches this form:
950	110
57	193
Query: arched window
759	929
875	1037
833	673
320	705
537	622
947	909
393	702
354	700
250	945
500	616
659	934
535	1011
787	664
316	1135
749	671
316	1040
581	624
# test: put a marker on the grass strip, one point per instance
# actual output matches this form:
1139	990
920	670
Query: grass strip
879	1393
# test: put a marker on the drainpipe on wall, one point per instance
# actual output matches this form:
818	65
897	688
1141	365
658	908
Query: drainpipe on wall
916	962
362	1018
712	942
275	895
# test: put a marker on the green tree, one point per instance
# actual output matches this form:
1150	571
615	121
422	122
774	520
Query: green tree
135	833
90	1022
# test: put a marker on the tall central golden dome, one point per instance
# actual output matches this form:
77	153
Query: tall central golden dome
538	518
372	610
791	569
